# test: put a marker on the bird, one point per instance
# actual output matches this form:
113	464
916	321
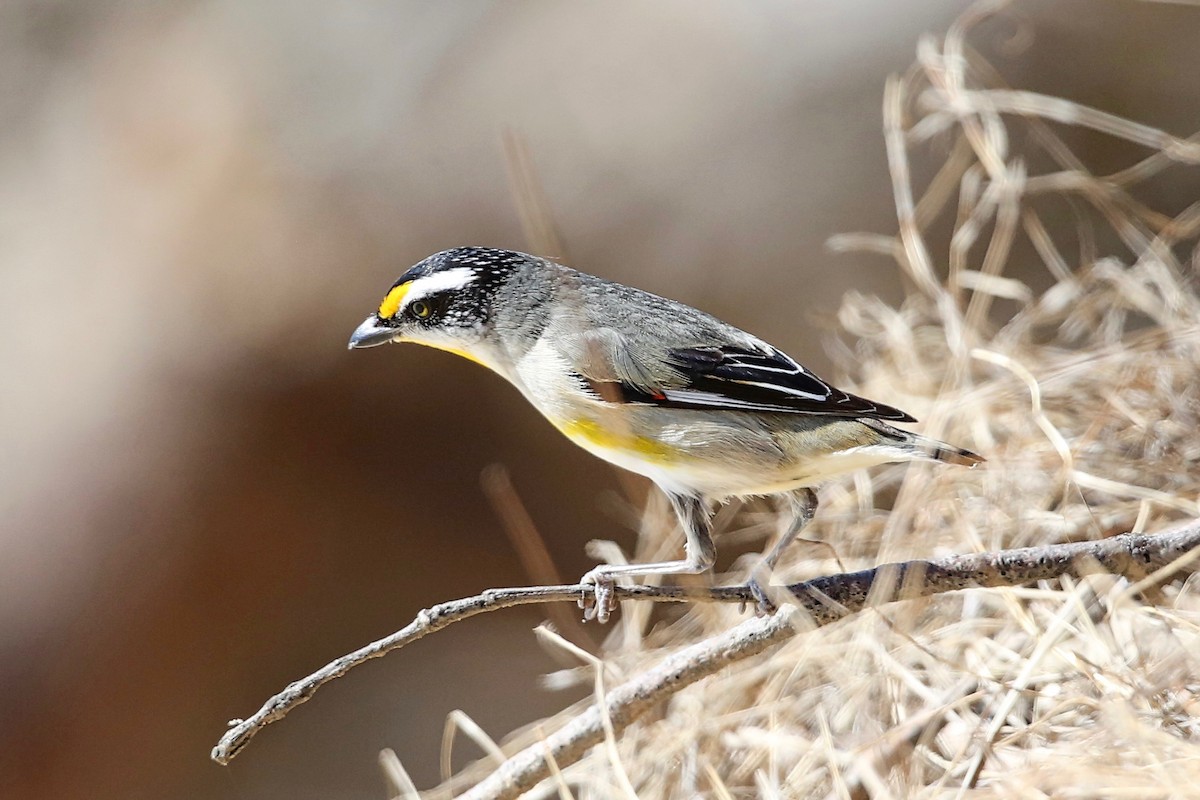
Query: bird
705	410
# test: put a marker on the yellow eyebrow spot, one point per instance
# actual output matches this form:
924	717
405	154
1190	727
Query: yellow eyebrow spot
391	303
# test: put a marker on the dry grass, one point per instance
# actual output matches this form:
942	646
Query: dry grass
1077	378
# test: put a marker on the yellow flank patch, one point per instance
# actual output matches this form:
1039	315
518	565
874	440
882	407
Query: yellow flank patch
589	431
391	303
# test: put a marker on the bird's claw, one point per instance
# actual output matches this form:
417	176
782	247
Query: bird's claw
763	606
599	603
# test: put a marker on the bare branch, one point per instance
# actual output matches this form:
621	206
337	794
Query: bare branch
630	700
821	600
830	599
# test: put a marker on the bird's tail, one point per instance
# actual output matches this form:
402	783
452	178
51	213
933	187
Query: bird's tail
926	447
940	451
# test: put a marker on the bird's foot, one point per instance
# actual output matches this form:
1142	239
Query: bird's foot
598	603
763	605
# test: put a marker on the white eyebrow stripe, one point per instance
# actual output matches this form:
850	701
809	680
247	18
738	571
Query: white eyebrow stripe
455	278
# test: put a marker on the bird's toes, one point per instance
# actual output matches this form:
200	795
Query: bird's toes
600	601
763	606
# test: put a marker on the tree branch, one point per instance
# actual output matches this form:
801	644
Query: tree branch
1145	559
830	599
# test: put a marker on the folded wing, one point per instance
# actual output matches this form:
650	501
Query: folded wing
734	378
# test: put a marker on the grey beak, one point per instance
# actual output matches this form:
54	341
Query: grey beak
372	332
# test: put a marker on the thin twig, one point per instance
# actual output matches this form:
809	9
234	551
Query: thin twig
529	544
529	196
824	600
898	744
629	701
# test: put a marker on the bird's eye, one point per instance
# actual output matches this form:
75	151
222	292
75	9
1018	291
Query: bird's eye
420	309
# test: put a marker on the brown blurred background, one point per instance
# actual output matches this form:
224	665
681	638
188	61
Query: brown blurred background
204	495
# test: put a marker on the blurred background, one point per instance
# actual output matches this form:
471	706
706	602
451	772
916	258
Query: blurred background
205	496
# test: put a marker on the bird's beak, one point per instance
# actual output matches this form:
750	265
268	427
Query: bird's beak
372	332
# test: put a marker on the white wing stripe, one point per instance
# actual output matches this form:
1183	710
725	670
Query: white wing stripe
757	368
784	389
716	400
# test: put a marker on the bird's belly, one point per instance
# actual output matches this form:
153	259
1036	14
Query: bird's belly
672	468
690	457
706	454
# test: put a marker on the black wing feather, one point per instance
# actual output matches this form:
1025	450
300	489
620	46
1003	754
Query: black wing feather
733	378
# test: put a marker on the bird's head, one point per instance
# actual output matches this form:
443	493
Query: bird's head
446	301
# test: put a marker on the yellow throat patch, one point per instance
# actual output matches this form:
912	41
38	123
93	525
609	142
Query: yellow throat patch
455	350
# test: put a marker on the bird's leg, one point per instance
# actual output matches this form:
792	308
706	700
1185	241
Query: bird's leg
802	504
696	518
